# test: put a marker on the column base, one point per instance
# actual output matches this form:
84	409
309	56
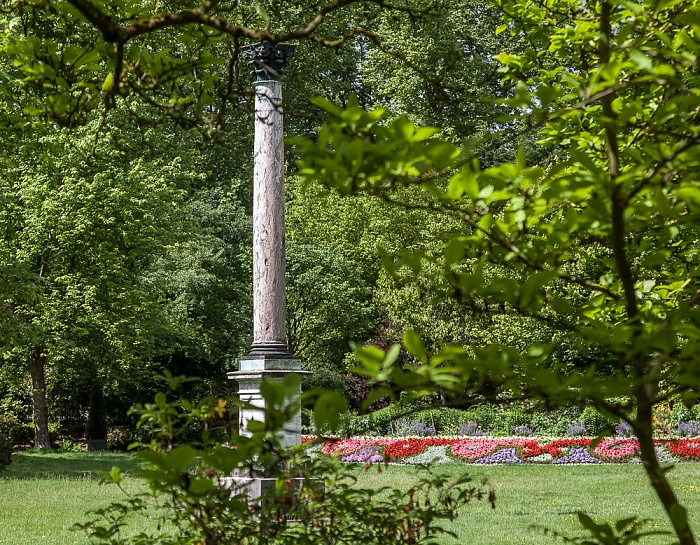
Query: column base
273	349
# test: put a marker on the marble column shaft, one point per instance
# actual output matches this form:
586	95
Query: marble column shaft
269	327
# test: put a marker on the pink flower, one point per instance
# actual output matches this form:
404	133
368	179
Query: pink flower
471	449
616	449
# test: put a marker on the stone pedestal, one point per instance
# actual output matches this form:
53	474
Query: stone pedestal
255	487
253	370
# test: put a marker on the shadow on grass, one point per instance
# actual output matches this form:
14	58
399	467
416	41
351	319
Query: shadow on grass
32	465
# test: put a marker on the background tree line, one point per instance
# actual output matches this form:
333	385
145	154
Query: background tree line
126	219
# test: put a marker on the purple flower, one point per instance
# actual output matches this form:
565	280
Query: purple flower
422	429
689	429
575	430
501	456
577	456
623	429
523	430
367	454
471	429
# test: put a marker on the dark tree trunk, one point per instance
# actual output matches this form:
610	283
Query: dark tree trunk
677	514
40	408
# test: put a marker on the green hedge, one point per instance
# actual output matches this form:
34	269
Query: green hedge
22	435
493	420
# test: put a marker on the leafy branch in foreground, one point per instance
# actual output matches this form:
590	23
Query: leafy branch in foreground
615	84
311	499
181	60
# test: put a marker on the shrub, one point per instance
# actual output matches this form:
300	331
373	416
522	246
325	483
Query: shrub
594	421
5	451
486	417
22	435
311	500
446	420
523	430
661	419
378	422
422	429
562	417
517	419
679	414
67	445
403	427
120	437
546	423
623	429
7	422
471	429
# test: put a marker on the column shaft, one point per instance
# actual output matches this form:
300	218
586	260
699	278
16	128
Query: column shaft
269	328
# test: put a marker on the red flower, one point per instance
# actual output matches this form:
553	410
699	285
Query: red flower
688	448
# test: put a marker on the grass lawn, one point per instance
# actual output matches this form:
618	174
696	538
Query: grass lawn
42	495
550	495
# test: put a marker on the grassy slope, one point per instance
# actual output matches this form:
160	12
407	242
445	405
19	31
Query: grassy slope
42	495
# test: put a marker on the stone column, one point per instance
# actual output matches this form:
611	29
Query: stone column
269	357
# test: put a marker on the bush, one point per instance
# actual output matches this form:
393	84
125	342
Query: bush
517	422
679	414
689	429
7	422
446	420
120	437
486	417
471	429
555	423
595	422
22	435
623	429
575	429
310	500
5	451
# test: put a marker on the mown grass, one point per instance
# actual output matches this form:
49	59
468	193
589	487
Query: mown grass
550	496
43	495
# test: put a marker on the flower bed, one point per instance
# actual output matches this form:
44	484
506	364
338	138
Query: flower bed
507	450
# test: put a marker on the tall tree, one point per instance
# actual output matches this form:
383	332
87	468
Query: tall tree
80	224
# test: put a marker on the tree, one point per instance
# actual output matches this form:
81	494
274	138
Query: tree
182	60
328	305
626	190
79	226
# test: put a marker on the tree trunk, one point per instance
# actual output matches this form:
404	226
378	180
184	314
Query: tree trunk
40	408
675	511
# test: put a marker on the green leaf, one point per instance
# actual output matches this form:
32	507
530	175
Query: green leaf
256	426
641	60
108	82
679	516
327	106
179	458
328	410
454	250
414	344
262	13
